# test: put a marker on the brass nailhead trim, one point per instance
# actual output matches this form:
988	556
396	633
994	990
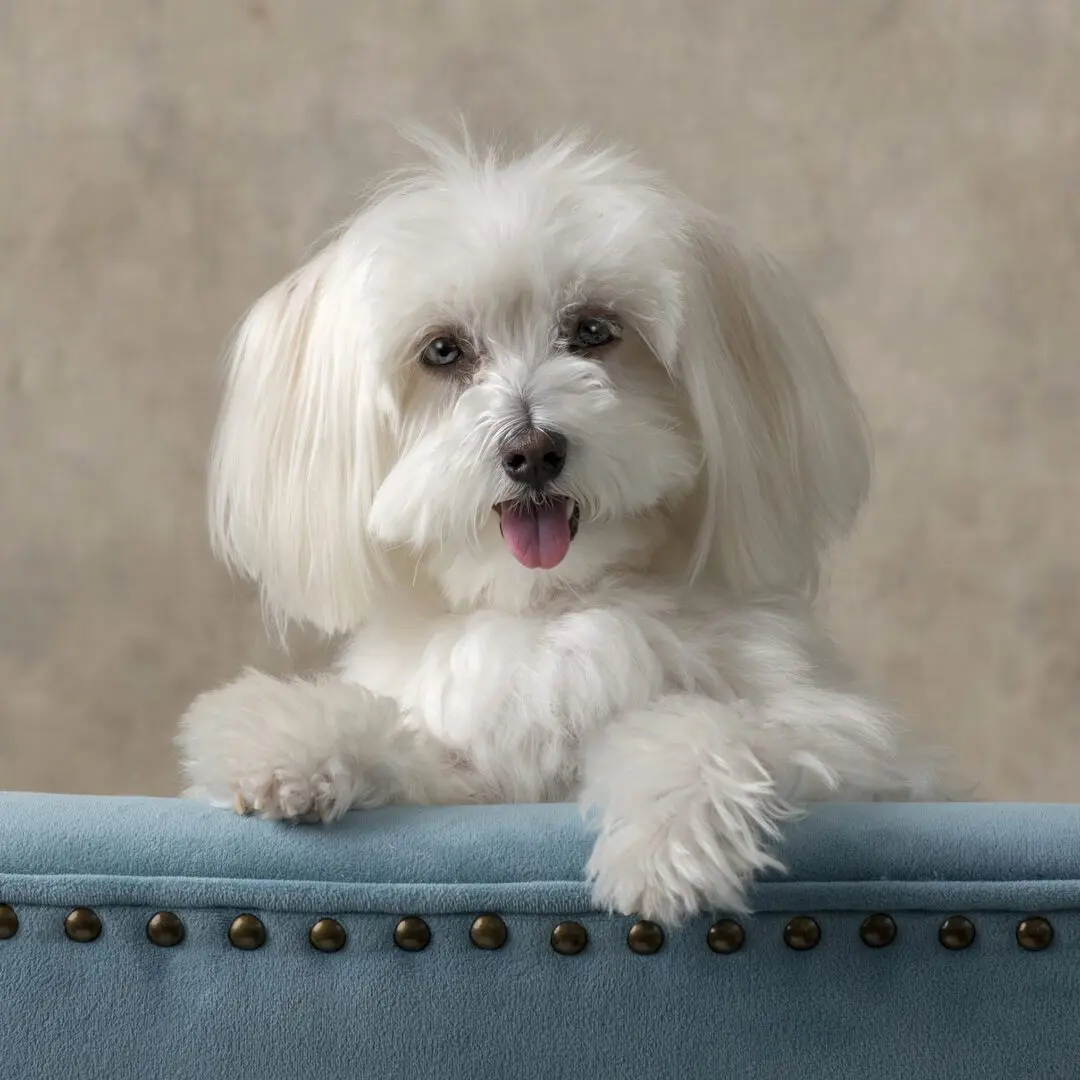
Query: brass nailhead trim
9	922
412	934
569	938
956	932
488	932
802	933
165	929
726	937
645	938
247	932
82	925
877	931
1035	934
328	935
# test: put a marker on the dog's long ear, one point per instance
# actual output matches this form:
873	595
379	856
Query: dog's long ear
297	457
786	449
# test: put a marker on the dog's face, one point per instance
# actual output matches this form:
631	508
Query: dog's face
504	380
536	430
540	435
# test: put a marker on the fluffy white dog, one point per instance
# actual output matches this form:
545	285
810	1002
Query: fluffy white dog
562	453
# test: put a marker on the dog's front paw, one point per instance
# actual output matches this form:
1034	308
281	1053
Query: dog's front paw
638	875
669	872
288	751
685	812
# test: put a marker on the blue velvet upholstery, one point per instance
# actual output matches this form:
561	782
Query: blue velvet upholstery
121	1007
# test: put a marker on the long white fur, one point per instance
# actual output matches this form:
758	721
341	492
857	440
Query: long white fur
669	672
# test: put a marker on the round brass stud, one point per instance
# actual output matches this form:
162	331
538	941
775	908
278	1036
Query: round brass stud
9	922
328	935
247	932
412	934
726	936
877	931
802	933
82	925
165	929
1035	934
569	938
645	938
488	932
956	932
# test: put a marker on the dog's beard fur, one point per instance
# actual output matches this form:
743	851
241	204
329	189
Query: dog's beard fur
666	665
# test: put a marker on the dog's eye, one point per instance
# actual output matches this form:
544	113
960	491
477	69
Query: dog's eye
592	332
441	352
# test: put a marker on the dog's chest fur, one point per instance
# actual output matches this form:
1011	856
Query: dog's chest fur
514	687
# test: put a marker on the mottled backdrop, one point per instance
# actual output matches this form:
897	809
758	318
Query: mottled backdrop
163	161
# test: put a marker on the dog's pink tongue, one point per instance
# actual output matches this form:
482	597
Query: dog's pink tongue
537	536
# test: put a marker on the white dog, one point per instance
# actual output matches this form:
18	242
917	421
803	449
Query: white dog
562	454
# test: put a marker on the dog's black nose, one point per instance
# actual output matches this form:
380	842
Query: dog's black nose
534	457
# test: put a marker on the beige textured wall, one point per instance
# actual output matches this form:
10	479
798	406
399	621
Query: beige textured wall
163	161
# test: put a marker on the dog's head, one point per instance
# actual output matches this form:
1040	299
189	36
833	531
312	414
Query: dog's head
503	379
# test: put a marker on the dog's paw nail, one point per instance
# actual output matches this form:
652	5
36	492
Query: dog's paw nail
293	796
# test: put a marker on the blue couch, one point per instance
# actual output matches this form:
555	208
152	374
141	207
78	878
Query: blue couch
145	939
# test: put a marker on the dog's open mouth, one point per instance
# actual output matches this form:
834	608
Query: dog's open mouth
539	534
